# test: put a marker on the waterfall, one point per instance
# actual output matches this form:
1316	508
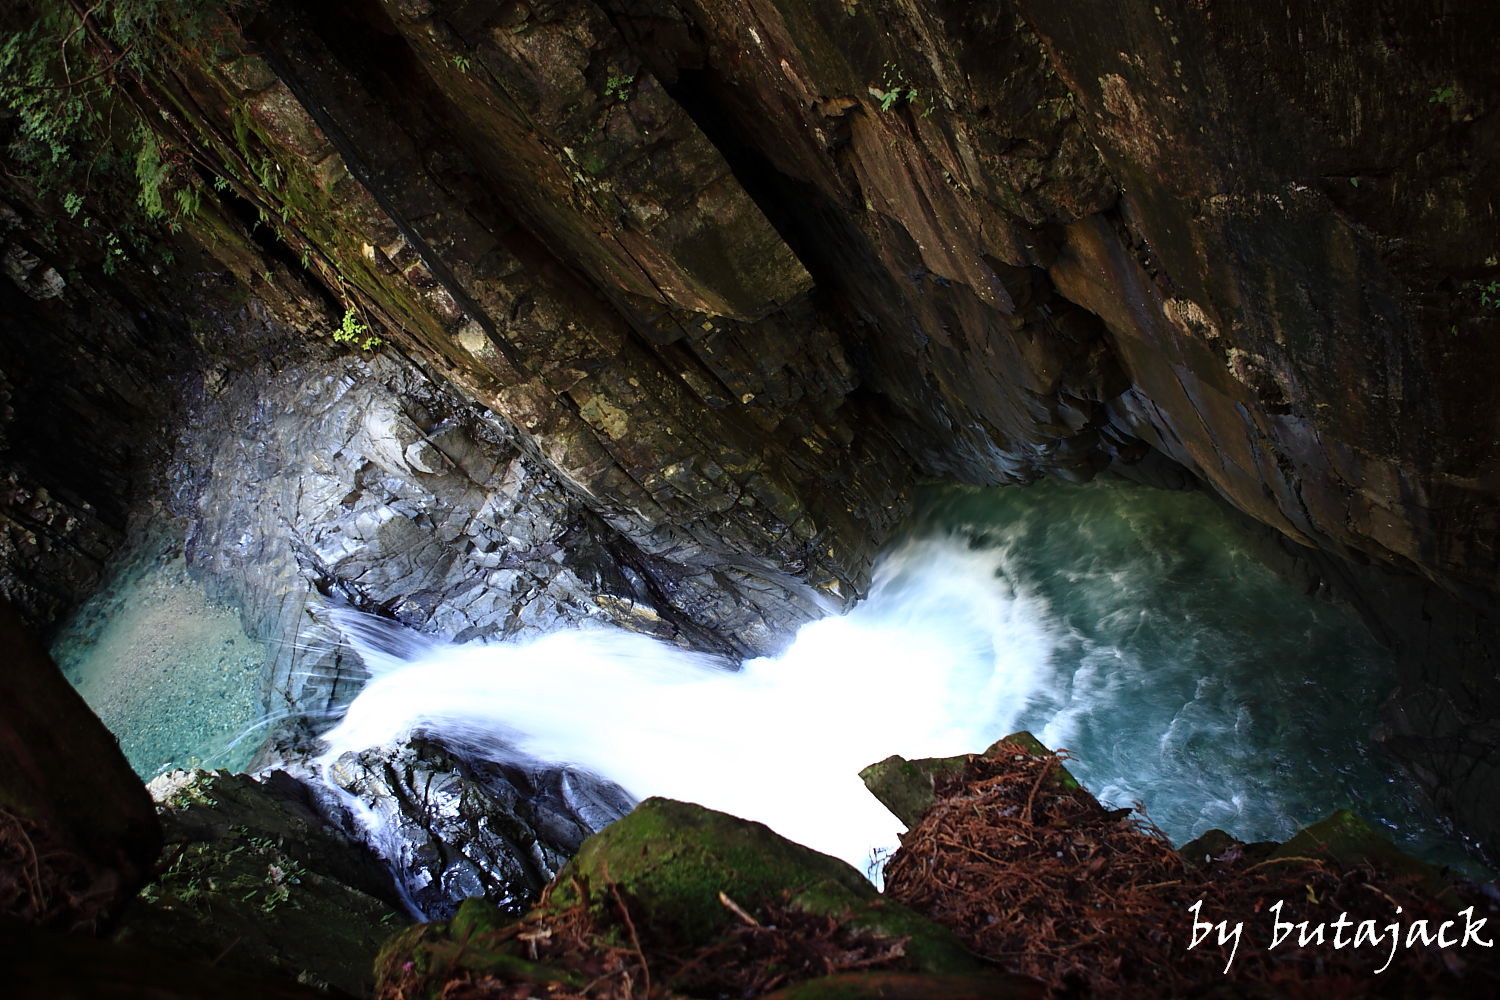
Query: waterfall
1129	625
938	660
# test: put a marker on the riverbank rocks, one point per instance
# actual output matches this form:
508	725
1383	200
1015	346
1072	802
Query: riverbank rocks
698	902
255	881
457	826
1016	872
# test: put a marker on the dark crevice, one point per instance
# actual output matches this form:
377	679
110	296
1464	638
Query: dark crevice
248	215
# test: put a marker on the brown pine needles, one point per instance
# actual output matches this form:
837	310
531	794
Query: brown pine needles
1038	877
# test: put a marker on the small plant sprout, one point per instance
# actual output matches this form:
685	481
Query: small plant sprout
894	90
617	87
1489	295
353	330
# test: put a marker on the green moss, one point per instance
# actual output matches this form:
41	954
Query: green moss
674	858
929	947
475	917
671	860
202	875
466	942
1347	839
905	787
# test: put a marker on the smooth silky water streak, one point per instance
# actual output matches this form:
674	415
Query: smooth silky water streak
934	662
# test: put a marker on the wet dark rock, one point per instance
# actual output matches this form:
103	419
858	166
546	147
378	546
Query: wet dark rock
456	827
357	478
42	966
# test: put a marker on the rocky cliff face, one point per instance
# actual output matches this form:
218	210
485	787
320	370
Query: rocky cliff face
729	277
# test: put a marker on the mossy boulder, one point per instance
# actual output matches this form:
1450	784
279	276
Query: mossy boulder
691	878
905	787
1214	844
253	880
1349	840
676	859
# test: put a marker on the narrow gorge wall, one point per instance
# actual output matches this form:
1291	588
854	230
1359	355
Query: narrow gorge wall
735	275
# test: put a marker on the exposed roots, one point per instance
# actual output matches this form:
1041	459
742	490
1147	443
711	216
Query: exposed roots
43	883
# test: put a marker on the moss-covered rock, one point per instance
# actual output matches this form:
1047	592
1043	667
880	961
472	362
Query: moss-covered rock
675	858
696	883
1212	845
1349	840
905	787
255	882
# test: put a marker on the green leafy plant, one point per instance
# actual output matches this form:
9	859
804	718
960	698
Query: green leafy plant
353	330
1442	95
618	86
65	71
895	90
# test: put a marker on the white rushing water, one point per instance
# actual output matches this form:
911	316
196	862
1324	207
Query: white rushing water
938	660
1129	625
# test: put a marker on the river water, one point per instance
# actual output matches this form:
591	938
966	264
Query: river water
1131	626
171	673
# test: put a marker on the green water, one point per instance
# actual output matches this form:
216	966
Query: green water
1186	676
171	674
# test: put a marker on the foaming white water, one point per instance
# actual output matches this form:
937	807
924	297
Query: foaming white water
939	660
